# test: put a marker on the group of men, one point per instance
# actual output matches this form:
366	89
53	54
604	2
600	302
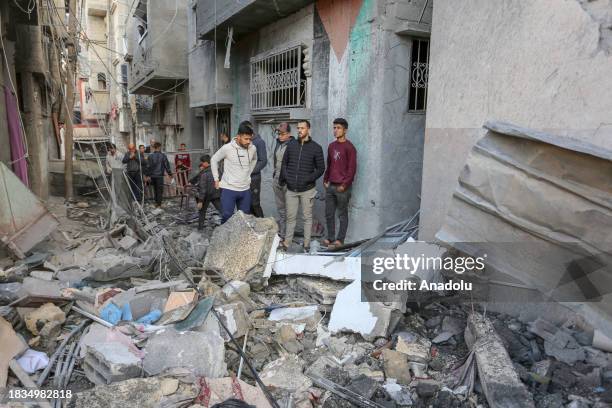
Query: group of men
298	164
147	166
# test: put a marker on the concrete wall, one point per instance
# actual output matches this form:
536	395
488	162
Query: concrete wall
542	64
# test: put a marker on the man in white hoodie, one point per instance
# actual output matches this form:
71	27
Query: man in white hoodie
239	159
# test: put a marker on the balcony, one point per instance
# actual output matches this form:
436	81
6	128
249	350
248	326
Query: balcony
159	54
244	16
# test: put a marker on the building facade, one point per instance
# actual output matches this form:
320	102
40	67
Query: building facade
158	74
268	62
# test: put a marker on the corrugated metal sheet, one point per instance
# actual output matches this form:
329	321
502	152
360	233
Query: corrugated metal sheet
540	207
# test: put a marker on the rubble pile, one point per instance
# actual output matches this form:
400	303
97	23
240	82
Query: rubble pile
169	317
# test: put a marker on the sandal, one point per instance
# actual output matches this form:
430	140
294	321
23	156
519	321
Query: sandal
337	243
326	242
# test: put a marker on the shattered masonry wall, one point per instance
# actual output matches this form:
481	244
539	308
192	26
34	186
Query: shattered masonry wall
541	64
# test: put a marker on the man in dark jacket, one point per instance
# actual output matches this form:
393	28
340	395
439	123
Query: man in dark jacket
135	168
284	138
206	191
158	164
303	164
262	161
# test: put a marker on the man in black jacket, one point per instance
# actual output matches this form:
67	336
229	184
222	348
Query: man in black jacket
157	164
303	164
135	168
206	191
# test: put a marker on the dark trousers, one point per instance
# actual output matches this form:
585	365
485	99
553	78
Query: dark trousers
158	188
255	191
336	201
231	199
215	202
135	180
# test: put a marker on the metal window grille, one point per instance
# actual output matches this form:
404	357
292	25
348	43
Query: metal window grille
276	80
419	76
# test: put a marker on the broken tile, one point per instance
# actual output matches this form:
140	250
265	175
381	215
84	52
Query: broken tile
178	299
235	319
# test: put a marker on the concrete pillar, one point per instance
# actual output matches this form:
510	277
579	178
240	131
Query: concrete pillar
38	169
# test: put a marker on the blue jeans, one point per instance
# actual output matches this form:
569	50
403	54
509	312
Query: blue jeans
231	199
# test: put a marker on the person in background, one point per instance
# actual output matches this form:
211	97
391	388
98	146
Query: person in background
224	138
136	167
303	164
183	159
262	161
141	149
284	138
206	192
113	159
182	162
239	159
157	165
149	148
338	178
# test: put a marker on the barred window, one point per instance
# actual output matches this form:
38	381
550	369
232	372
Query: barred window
278	80
419	76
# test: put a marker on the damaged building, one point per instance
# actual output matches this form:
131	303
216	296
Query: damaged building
269	62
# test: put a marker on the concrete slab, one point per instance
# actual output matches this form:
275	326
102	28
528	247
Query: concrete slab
348	269
110	362
201	353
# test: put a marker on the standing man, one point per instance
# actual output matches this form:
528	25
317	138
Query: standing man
239	158
113	159
303	164
339	176
262	161
158	164
284	138
135	167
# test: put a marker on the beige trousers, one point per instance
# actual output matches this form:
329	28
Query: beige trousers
292	202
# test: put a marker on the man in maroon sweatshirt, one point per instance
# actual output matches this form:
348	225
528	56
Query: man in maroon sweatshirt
338	178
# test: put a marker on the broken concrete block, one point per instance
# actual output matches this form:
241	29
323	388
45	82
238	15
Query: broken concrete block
240	247
322	291
110	362
427	388
201	353
43	288
196	244
44	275
126	243
308	315
169	386
286	374
414	351
142	392
347	269
46	321
236	291
498	377
567	355
71	276
396	366
399	394
235	318
107	266
371	320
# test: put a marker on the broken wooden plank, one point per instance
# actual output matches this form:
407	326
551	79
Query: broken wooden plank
500	381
